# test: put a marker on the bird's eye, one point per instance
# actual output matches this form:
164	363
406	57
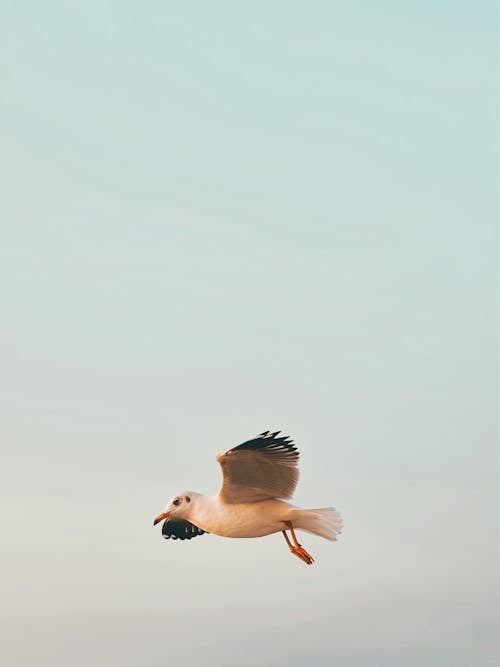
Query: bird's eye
188	499
177	501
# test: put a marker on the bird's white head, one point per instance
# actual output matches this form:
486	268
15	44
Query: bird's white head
179	506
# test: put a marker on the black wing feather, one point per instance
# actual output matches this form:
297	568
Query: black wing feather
180	529
271	442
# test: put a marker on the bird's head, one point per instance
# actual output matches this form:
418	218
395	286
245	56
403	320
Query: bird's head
178	507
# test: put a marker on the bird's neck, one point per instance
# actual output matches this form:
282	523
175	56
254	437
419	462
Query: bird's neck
200	508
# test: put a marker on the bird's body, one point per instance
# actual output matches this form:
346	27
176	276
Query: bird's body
256	519
239	519
256	476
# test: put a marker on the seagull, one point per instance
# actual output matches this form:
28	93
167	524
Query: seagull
257	477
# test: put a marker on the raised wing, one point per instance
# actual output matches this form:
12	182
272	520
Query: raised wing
258	469
179	529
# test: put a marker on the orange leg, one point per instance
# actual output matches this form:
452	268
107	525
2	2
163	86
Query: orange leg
296	548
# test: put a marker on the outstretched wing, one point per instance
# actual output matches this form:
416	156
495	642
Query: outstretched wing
179	529
258	469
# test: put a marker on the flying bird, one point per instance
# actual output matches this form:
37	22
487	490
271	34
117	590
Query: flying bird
257	477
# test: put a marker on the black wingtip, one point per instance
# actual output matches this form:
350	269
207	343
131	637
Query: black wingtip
267	440
180	530
268	434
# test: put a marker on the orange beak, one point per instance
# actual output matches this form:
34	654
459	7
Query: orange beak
160	517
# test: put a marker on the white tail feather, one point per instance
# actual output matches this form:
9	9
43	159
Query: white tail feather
325	522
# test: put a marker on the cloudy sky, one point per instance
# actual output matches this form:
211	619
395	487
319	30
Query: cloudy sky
219	218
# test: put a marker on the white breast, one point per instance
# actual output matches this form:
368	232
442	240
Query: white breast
240	520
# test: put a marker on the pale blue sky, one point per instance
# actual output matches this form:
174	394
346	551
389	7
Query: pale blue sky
219	218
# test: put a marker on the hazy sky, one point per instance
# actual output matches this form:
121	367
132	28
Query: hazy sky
219	218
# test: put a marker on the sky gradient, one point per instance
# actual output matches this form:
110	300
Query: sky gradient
219	218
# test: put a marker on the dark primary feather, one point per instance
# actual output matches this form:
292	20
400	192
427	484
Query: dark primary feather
180	529
271	443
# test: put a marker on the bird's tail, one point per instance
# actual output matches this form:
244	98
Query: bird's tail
325	522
